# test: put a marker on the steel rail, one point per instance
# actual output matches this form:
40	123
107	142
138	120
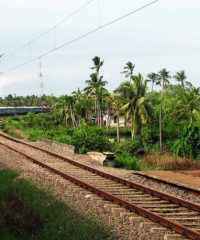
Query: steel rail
132	207
189	190
165	196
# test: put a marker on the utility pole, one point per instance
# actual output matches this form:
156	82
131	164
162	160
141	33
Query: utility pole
14	103
41	85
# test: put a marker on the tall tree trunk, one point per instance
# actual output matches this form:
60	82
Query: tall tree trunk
160	121
152	87
73	119
132	128
100	116
125	120
96	112
118	136
139	132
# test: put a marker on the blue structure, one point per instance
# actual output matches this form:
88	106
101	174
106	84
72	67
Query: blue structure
11	111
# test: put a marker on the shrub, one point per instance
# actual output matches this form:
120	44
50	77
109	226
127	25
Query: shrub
63	139
113	132
132	147
127	161
189	144
90	139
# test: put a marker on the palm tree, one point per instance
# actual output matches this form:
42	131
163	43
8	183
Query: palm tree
101	94
152	77
128	69
126	91
97	64
163	81
70	100
94	85
188	105
117	104
180	77
61	110
136	106
77	94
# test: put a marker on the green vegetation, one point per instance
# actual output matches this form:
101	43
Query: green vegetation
164	120
27	212
189	144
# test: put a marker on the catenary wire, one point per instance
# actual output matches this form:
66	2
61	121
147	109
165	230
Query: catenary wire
82	36
50	29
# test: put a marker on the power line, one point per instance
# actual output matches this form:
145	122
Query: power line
50	29
83	36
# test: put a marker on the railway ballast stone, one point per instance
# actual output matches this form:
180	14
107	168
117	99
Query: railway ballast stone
64	148
104	159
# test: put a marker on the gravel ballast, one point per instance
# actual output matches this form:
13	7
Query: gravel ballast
125	224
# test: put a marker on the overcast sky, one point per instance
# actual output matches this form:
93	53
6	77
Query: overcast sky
166	34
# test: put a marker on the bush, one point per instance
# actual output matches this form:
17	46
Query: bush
189	144
132	147
113	132
90	139
127	161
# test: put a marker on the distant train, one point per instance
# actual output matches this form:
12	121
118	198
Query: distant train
12	111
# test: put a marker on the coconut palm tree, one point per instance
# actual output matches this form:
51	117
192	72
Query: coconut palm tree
101	94
117	104
77	94
61	109
136	106
128	69
94	85
163	81
126	91
188	105
180	77
152	77
97	64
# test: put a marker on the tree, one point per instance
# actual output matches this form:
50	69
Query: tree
60	109
162	80
95	85
188	105
97	64
136	107
128	69
117	104
152	77
180	77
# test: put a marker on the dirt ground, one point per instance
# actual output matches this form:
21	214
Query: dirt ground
187	177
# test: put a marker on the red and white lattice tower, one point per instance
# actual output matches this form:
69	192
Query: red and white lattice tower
41	84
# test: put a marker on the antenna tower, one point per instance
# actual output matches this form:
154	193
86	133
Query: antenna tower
41	85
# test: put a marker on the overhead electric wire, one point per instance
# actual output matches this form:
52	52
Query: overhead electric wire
50	29
84	35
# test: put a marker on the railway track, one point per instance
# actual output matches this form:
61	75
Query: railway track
171	212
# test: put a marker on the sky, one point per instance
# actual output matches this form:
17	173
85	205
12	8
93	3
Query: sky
164	35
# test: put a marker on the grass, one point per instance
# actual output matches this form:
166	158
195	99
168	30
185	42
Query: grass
154	161
27	212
